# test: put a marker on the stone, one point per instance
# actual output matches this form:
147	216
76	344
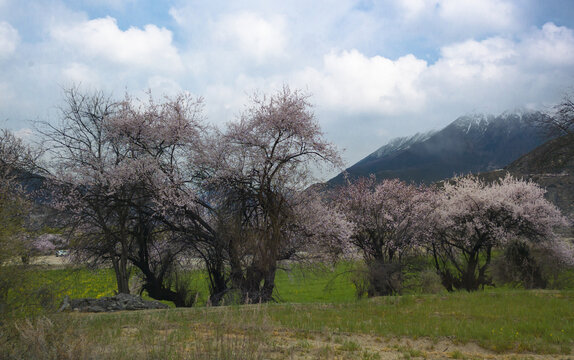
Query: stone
119	302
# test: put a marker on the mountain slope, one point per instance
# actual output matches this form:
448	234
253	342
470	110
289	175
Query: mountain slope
472	143
551	165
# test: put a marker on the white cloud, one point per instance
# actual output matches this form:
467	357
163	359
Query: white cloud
444	21
254	36
161	85
24	133
78	73
491	14
492	75
553	45
150	48
498	74
389	67
415	8
352	81
114	4
6	95
9	39
475	60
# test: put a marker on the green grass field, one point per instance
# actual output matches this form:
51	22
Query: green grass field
295	284
318	316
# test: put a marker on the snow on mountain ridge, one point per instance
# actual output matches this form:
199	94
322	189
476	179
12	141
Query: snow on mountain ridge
470	144
479	122
472	124
402	143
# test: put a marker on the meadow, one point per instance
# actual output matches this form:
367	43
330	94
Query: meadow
317	316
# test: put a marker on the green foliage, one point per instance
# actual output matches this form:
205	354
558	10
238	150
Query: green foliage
426	281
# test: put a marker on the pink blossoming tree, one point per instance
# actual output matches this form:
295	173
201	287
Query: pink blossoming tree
384	215
267	157
115	163
471	218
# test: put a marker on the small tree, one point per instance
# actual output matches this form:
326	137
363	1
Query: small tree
384	216
471	218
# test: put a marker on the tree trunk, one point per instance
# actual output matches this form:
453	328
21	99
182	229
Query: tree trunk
469	280
122	275
217	280
266	293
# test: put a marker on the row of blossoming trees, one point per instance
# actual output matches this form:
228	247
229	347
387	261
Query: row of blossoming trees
457	225
149	184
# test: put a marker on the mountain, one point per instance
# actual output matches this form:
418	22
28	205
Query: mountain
472	143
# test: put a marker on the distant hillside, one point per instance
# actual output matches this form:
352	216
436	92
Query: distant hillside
472	143
550	165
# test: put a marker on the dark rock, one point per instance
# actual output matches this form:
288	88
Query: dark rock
119	302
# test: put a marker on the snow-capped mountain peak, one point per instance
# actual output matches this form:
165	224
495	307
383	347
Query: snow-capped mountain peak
472	143
474	122
402	143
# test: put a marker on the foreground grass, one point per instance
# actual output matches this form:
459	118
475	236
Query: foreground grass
518	321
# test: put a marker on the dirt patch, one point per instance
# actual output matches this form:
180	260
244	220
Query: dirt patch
286	344
50	260
353	346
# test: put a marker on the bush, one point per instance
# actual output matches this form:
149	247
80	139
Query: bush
430	282
518	267
525	266
378	279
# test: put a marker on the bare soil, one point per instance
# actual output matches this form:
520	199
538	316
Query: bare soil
51	260
287	344
353	346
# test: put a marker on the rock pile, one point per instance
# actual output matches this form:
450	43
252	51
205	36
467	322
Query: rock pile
119	302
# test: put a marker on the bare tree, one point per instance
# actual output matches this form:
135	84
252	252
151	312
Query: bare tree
560	120
85	159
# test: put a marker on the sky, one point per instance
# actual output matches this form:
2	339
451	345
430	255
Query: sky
375	70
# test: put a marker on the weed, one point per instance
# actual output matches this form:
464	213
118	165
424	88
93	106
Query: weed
457	354
367	355
349	345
